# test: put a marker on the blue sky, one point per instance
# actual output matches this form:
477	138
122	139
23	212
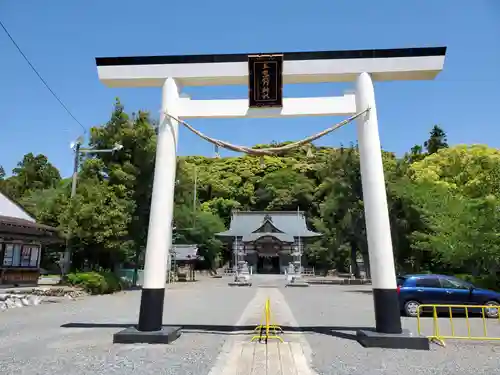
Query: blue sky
62	38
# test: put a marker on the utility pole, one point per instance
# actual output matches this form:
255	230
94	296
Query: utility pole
76	163
195	192
66	260
78	150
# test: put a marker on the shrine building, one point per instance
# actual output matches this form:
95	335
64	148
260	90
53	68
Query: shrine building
268	240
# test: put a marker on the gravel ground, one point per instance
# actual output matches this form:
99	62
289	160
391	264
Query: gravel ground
32	340
350	307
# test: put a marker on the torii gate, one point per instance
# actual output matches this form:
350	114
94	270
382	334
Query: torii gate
265	75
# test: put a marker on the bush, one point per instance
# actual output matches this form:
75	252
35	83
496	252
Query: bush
96	282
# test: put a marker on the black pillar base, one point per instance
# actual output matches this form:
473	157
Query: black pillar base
132	335
387	311
151	310
404	340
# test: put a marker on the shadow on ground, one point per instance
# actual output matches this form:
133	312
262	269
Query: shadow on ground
360	291
344	332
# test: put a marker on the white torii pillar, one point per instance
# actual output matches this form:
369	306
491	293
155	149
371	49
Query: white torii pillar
161	215
378	229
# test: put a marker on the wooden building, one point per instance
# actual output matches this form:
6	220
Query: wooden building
183	259
21	241
268	240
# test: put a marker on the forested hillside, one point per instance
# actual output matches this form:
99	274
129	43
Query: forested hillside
443	200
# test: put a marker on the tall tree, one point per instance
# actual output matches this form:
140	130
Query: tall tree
32	173
133	166
437	140
342	208
99	217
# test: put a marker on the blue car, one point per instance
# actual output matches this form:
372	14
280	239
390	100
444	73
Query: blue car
415	290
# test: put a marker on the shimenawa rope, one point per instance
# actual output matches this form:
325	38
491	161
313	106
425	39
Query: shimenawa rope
270	150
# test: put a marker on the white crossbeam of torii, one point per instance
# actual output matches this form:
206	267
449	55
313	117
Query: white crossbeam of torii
172	73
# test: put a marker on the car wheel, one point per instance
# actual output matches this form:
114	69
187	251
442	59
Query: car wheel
493	311
411	308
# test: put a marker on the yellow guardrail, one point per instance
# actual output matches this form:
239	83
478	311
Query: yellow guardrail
439	338
267	330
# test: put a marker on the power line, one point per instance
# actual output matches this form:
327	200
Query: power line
41	78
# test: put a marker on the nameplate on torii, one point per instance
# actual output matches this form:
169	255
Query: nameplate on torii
265	81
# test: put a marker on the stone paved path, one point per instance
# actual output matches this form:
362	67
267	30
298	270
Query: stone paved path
242	357
273	358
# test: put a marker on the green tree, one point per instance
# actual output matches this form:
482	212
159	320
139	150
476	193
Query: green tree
32	173
416	154
200	230
35	172
49	206
341	207
221	207
461	232
132	167
99	217
473	171
437	140
284	190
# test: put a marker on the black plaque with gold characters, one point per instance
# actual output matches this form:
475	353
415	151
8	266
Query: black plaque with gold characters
265	81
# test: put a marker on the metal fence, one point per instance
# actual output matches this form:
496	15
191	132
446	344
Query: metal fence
466	327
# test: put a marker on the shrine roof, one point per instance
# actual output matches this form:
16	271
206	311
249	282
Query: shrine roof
286	224
185	252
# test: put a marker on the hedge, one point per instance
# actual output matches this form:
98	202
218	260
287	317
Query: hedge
104	282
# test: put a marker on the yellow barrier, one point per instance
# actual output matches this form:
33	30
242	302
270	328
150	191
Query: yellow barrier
265	328
439	338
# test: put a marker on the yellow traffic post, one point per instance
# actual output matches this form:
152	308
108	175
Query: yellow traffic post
265	328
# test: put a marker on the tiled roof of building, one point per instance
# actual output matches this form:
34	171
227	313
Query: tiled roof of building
284	225
185	252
